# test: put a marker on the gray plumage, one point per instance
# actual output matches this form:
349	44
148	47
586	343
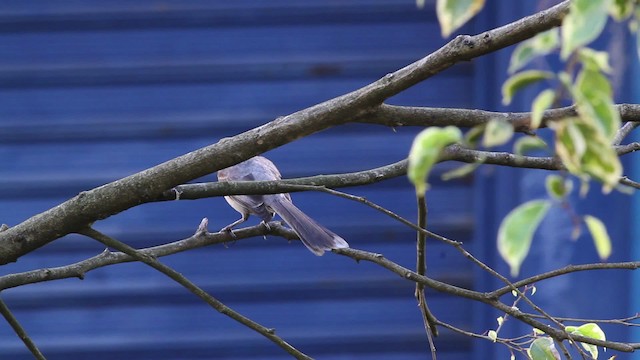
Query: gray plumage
314	236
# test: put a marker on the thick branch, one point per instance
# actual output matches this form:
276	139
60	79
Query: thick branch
149	184
394	116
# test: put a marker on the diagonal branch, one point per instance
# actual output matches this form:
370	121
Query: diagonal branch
180	279
20	331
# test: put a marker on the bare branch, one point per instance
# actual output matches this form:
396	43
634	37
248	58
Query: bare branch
180	279
106	258
203	238
489	299
625	130
210	189
459	153
626	149
623	321
20	331
631	265
628	182
395	116
428	318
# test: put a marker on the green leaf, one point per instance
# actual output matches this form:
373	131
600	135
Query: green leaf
542	102
558	187
592	81
543	349
601	160
452	14
593	95
590	330
583	24
425	151
497	133
516	232
621	9
461	171
585	152
473	136
570	145
600	236
520	80
566	80
595	60
539	45
526	144
537	331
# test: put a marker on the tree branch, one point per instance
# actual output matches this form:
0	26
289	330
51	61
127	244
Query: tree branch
211	189
180	279
428	318
313	183
405	273
202	238
106	258
20	331
625	130
631	265
395	116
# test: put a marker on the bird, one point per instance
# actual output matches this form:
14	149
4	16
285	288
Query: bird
314	236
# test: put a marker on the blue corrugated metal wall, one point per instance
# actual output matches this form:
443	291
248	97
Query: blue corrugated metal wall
91	91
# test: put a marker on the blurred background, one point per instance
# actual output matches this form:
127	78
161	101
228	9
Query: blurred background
92	91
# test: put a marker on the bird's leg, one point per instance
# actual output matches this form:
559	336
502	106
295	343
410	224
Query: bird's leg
266	226
229	228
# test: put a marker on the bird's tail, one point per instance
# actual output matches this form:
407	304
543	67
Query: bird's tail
314	236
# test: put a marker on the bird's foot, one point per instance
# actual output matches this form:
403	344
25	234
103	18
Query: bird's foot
267	227
229	231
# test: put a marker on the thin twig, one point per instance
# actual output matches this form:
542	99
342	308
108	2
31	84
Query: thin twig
510	343
421	267
424	232
20	331
180	279
106	258
624	131
628	265
557	334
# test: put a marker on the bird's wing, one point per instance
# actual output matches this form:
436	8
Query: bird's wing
252	204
